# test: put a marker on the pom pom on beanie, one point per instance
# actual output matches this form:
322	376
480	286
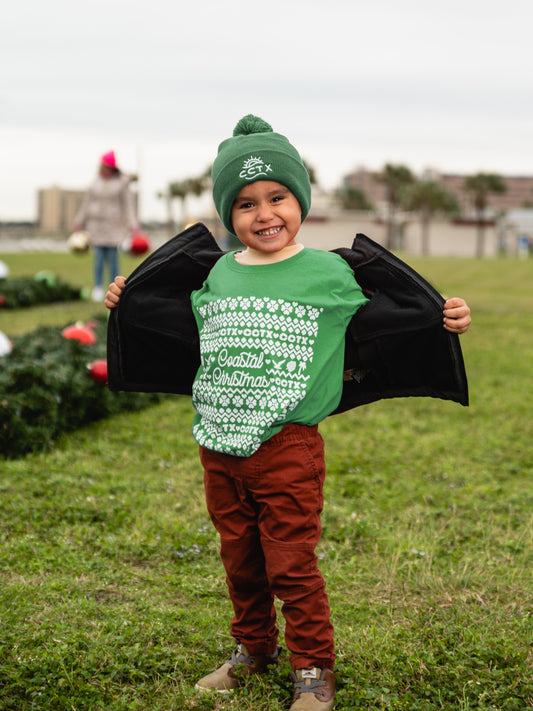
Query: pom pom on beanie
256	152
251	124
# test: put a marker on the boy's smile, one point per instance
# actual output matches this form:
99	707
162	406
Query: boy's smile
266	218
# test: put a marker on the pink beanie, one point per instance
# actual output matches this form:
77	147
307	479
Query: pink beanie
109	159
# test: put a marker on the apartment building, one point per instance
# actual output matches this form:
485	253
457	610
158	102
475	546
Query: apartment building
518	194
56	209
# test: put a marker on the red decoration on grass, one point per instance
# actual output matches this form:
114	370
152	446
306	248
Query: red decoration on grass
98	371
139	244
80	332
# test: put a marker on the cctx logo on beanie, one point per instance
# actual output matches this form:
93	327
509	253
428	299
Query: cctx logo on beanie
255	152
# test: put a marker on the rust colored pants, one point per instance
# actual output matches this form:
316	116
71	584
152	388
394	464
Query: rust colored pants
266	509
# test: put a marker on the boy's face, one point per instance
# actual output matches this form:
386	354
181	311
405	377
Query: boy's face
266	216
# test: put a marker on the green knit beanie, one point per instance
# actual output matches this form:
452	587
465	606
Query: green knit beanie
254	153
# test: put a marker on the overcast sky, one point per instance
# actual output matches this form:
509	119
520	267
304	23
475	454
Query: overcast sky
447	85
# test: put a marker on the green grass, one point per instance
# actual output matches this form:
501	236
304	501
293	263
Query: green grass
113	597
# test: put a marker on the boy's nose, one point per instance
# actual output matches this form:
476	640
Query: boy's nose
264	213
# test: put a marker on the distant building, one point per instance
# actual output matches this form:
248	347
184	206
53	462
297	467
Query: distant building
520	223
518	195
56	209
367	182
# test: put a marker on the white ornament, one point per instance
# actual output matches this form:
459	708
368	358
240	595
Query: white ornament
5	345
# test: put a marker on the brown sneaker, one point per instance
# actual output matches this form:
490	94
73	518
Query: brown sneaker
226	678
314	690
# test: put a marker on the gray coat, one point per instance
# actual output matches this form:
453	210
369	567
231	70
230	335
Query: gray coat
108	211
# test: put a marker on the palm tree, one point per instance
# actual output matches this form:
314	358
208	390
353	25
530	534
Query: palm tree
427	197
395	178
480	186
181	189
352	198
170	215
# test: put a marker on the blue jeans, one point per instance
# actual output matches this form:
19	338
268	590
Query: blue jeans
105	255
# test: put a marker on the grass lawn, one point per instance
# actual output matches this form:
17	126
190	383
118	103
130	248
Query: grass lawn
112	595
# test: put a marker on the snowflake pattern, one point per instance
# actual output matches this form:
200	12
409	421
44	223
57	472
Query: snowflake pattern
286	307
255	352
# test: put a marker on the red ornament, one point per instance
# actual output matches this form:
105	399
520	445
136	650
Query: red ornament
2	300
98	371
80	332
139	244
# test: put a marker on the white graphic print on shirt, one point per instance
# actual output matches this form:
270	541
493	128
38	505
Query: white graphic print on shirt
255	356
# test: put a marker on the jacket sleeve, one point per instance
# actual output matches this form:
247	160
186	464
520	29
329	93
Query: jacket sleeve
396	345
152	337
128	205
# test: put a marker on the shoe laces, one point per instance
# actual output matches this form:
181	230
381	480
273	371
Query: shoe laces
240	655
310	681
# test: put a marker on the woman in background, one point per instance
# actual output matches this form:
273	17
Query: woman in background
108	215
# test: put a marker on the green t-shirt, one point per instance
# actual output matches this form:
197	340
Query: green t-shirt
272	347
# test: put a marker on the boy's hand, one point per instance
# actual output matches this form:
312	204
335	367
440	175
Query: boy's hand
456	315
113	293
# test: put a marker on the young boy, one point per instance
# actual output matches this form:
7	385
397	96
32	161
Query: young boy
272	320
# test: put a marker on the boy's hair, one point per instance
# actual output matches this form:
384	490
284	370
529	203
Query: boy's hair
255	152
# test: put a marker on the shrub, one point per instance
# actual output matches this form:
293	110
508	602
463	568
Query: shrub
46	389
43	288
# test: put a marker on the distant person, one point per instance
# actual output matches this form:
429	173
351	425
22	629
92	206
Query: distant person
108	215
524	246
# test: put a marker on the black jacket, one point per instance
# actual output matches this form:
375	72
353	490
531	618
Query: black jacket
396	345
